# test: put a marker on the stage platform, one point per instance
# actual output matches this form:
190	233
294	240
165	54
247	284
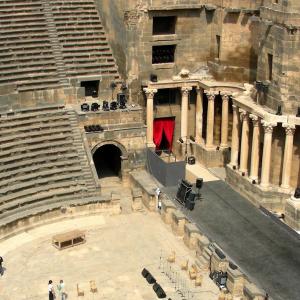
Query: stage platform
263	249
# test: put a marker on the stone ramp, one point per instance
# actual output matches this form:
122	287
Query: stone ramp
43	161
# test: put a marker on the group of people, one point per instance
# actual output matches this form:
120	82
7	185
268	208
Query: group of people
60	288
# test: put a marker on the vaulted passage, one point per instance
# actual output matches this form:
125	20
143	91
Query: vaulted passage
107	161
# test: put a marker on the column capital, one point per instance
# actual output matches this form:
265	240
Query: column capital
289	128
255	119
210	95
243	113
235	107
185	90
199	89
268	126
225	95
150	92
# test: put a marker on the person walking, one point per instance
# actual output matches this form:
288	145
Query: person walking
61	290
1	268
51	290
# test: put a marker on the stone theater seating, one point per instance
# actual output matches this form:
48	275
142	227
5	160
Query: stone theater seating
45	43
43	163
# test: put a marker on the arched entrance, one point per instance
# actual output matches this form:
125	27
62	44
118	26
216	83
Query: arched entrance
107	160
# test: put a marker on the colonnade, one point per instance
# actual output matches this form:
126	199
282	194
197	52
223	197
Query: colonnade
240	151
240	139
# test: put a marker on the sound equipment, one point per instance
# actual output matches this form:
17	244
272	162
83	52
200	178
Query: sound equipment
145	273
297	193
95	106
105	106
220	253
160	293
298	112
121	99
221	279
153	77
156	286
232	266
113	105
191	160
85	107
199	183
190	201
184	189
279	111
150	279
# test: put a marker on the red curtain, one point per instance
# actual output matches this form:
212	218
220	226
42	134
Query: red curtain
166	126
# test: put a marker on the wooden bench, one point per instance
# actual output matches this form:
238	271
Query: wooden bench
68	239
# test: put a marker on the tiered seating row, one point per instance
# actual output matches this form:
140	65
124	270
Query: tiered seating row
85	48
40	160
26	56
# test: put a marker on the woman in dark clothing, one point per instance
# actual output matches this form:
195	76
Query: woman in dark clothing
51	290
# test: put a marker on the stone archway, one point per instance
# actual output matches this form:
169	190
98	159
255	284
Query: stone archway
107	157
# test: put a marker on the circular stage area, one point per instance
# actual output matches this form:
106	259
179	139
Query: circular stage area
117	249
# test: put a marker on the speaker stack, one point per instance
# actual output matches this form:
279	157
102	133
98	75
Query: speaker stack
159	291
184	189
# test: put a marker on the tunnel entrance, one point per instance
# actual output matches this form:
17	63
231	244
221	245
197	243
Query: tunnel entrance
107	160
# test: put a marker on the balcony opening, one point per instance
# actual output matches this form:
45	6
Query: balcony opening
163	54
164	25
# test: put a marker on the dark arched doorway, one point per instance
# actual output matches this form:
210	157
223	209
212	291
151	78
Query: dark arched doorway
107	160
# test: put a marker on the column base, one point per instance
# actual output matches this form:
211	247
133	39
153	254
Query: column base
210	147
151	145
224	146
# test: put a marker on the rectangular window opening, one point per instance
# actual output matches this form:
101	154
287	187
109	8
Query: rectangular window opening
163	54
218	38
165	96
164	25
91	88
270	66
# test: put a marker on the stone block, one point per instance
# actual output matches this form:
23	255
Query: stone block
167	209
137	203
191	235
218	263
252	292
178	222
202	242
235	282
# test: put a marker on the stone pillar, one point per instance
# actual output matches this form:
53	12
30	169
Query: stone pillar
210	120
244	142
224	128
266	159
199	115
235	143
255	148
150	95
288	155
184	111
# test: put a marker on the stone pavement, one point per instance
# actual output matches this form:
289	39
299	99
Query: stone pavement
116	251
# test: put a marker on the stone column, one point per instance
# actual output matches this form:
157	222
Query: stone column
244	142
150	95
288	155
224	128
255	148
235	143
199	115
210	120
266	159
184	111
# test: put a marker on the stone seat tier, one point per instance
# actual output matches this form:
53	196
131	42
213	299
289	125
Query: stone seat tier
75	32
8	32
25	47
39	85
40	165
32	134
28	25
12	60
28	67
25	41
80	28
36	140
92	49
32	116
36	191
82	37
16	36
18	16
39	54
27	77
53	204
39	178
49	157
35	127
